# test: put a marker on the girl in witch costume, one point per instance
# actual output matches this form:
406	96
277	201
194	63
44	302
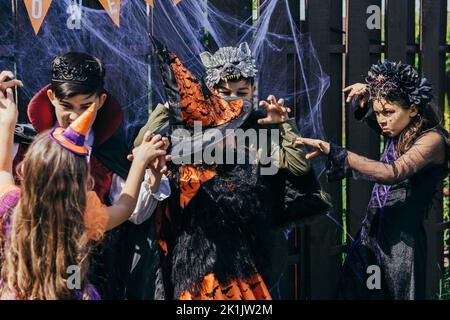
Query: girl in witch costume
47	224
77	82
218	232
412	166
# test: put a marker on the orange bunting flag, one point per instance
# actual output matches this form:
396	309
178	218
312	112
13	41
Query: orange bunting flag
113	9
37	10
152	4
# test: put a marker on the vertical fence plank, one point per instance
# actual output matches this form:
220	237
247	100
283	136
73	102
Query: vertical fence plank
433	40
363	49
400	29
324	19
299	238
240	10
293	283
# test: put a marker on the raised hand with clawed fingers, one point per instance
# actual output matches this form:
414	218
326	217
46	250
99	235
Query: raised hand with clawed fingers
276	111
4	75
322	147
8	120
357	89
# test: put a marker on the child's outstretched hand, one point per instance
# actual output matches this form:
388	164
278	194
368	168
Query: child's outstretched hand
357	89
150	149
322	147
142	156
159	164
276	111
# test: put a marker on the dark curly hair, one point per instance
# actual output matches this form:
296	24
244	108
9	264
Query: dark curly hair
399	82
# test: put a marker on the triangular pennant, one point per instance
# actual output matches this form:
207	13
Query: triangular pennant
152	2
37	10
113	9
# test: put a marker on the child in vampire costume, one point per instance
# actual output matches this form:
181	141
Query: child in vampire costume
82	75
414	162
218	234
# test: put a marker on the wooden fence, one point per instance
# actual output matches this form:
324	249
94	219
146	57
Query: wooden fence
346	48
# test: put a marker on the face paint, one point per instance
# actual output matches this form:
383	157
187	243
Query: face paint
392	117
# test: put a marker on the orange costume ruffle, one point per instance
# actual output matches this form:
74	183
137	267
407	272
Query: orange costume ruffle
250	289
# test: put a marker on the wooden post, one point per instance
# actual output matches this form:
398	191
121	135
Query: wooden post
324	21
299	239
400	31
363	49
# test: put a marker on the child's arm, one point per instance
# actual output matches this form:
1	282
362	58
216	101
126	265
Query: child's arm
123	208
6	158
157	168
8	120
148	200
428	149
150	195
154	181
154	189
292	156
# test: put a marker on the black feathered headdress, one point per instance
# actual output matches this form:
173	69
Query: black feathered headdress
396	81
